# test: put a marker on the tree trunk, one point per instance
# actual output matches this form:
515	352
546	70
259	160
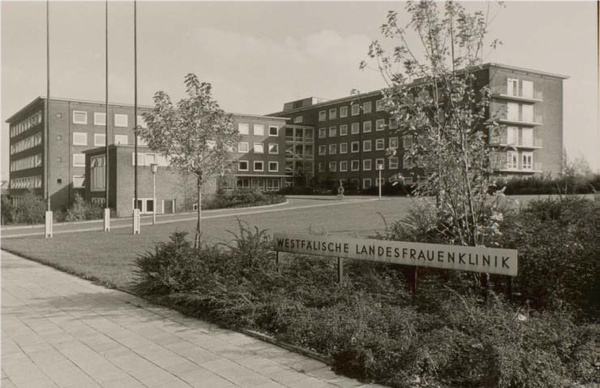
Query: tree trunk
197	240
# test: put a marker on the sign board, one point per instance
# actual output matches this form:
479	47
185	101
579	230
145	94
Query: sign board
475	259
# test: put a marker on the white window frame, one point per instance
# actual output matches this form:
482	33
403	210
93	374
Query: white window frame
379	105
332	166
369	148
274	148
332	131
355	165
407	162
393	163
380	161
393	142
527	137
276	129
512	160
80	112
276	169
379	144
79	176
322	133
365	185
367	164
119	117
80	143
97	116
343	111
380	125
244	128
357	143
355	111
370	126
510	86
81	158
367	107
332	114
247	146
332	149
322	150
239	168
119	138
355	128
98	136
524	157
259	148
343	165
512	135
527	89
343	148
323	115
256	169
298	119
258	129
344	130
527	111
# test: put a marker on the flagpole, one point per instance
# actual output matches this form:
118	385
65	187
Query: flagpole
48	218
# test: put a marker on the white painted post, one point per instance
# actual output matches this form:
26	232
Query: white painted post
49	224
379	167
107	219
136	221
154	168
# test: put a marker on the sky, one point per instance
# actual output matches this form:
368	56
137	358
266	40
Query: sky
258	55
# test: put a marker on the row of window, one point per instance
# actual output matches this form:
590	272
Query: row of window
257	129
25	124
367	146
519	112
30	182
27	143
380	125
25	163
355	109
526	138
258	166
120	120
81	139
367	164
525	89
512	160
266	184
259	148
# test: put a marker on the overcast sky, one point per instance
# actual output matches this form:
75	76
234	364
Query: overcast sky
259	55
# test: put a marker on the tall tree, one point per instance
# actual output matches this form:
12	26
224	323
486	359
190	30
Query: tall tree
441	109
195	135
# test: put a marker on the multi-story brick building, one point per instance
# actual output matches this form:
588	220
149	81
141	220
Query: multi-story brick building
353	133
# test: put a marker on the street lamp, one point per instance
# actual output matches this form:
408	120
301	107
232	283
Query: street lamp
154	168
379	168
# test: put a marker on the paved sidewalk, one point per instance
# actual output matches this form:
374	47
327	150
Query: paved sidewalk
61	331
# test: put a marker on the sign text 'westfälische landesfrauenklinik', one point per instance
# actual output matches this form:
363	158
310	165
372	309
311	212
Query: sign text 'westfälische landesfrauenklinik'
475	259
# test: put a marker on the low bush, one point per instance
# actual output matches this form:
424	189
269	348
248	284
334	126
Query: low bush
6	211
81	210
242	198
540	185
31	209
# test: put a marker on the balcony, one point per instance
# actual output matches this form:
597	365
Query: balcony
501	142
537	168
523	121
517	95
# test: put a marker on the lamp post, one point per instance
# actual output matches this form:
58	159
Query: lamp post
379	183
154	168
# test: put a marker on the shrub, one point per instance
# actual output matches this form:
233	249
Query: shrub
242	198
7	210
31	209
539	185
81	210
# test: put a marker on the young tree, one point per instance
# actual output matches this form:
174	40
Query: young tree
433	95
195	135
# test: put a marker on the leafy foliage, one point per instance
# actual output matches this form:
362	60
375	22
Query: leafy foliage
31	209
81	210
242	198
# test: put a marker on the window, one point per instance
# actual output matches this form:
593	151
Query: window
322	133
367	165
527	137
322	150
355	128
274	130
332	114
243	183
512	135
79	117
367	145
332	166
379	105
141	122
343	130
80	138
78	181
121	139
141	160
273	184
243	147
393	123
99	118
343	166
380	144
259	130
512	162
244	129
120	120
355	164
273	148
355	110
343	148
323	115
512	87
528	113
380	125
99	139
367	107
394	142
527	160
332	131
321	167
379	163
366	183
367	126
355	146
243	165
344	111
407	142
259	165
527	89
298	119
273	166
512	111
393	163
97	173
332	149
259	148
407	162
78	160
